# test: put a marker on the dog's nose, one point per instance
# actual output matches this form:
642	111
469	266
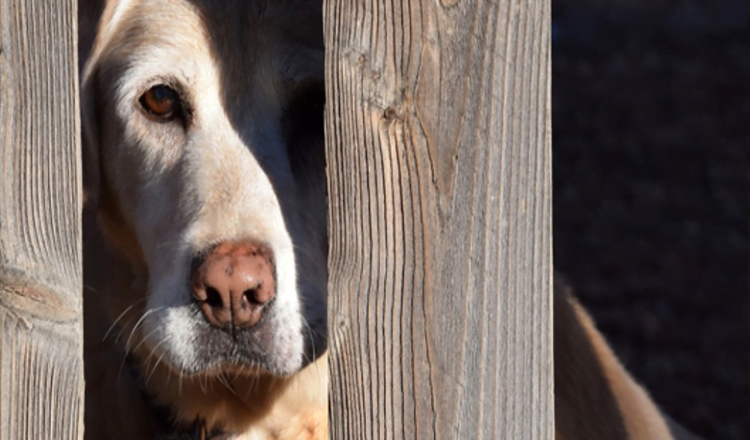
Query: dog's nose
233	284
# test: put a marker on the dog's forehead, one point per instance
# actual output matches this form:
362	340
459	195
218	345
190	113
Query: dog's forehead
249	51
237	34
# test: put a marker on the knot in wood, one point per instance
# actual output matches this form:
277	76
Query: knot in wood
390	114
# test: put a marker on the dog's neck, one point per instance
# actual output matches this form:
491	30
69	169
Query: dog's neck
162	417
256	407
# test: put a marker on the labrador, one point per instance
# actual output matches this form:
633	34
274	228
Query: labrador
205	237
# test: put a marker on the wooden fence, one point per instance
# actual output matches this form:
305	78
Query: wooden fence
439	177
439	174
41	355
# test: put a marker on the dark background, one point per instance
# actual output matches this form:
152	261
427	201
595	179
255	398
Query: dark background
651	172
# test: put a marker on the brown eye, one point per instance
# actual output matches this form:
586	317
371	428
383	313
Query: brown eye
160	102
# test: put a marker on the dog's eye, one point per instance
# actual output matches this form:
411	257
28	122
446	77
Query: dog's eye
160	102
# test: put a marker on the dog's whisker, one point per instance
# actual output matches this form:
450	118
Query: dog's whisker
143	339
146	362
158	361
203	388
111	327
127	343
122	364
169	375
135	327
225	382
311	335
123	328
179	384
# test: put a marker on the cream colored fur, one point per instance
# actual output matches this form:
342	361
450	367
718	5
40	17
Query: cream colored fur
159	193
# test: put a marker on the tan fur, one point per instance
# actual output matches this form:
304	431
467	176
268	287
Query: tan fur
642	418
302	411
156	194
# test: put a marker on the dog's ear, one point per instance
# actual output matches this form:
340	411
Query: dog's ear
89	13
95	25
90	140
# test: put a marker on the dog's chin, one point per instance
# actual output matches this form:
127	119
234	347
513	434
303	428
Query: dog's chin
274	346
234	369
243	367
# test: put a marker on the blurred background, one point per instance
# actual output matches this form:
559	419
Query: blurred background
651	172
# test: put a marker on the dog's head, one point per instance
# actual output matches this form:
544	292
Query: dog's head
203	153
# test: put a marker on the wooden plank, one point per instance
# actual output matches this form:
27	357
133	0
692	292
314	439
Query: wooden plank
41	356
439	176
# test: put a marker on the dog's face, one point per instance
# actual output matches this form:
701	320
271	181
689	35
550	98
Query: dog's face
203	150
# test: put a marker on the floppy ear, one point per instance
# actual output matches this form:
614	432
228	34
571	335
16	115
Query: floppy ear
89	14
95	19
90	142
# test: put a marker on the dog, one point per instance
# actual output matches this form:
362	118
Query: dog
595	397
205	223
205	237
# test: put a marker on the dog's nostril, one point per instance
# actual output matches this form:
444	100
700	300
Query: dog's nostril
251	296
213	297
257	295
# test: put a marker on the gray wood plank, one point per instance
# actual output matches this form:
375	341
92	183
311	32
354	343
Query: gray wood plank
41	357
439	176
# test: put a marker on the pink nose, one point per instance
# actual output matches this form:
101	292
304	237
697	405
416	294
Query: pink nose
233	284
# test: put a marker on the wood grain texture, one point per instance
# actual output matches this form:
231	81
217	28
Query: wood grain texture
41	357
439	177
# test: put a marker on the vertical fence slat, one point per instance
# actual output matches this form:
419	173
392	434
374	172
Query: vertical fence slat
41	357
439	176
